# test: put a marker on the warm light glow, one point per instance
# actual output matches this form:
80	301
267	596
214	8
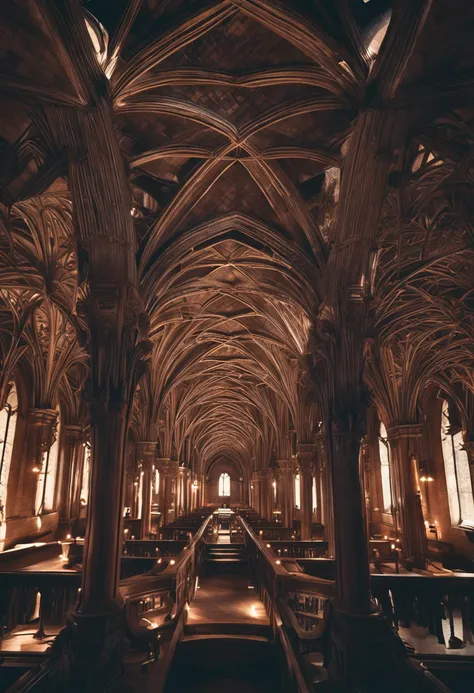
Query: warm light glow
385	469
393	547
224	484
385	536
68	536
268	546
278	562
254	610
172	562
297	491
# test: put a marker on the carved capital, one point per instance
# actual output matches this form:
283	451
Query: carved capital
73	434
306	451
162	464
413	430
286	465
146	451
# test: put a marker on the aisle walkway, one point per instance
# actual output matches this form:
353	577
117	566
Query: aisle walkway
224	594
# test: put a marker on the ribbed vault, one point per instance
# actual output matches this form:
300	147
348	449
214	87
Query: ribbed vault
234	119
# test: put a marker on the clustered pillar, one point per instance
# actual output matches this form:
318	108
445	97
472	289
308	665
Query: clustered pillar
306	454
146	455
286	490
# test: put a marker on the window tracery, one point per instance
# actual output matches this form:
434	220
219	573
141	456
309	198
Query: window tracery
8	417
385	471
458	474
224	484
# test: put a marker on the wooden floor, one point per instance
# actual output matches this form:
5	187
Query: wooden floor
227	599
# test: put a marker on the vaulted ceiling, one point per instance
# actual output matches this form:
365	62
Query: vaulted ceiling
234	117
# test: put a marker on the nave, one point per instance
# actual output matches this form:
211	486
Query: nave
236	274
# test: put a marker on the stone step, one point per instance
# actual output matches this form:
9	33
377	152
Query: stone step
241	629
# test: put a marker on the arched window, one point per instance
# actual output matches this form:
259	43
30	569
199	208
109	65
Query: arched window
84	498
458	475
47	477
384	454
224	484
7	435
297	491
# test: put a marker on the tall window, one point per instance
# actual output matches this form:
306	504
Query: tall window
7	434
224	484
297	491
458	476
315	496
47	477
84	498
384	454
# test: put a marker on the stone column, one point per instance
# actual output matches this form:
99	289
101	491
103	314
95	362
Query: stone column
163	495
352	557
40	434
256	492
318	472
405	443
173	487
306	454
146	456
287	491
327	509
187	491
266	476
72	461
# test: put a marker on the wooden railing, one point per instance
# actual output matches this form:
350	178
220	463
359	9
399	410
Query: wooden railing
426	600
40	598
155	607
156	603
296	606
314	548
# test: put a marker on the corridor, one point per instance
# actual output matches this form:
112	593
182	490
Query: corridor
226	611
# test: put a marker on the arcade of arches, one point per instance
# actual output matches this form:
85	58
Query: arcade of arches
236	343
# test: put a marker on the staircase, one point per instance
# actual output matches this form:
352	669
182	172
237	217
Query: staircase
225	558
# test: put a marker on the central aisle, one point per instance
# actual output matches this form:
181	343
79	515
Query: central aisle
226	640
224	594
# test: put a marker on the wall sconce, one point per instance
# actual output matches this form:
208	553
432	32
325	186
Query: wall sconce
426	479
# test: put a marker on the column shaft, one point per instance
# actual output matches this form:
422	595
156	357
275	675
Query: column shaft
286	490
352	558
405	443
306	454
146	455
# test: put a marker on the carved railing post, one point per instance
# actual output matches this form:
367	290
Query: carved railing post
287	491
146	456
306	453
405	442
